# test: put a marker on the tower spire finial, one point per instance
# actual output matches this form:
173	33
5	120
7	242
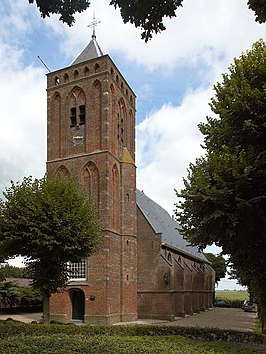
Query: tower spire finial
93	24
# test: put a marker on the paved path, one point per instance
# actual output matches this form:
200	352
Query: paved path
23	317
225	318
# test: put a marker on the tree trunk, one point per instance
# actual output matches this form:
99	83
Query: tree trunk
46	308
263	317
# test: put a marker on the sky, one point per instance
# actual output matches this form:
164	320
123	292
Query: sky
172	76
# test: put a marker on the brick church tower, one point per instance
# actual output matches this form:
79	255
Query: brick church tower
91	136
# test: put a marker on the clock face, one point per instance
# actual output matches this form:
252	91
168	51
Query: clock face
77	137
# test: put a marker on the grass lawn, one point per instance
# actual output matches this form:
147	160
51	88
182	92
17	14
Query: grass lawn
232	295
81	344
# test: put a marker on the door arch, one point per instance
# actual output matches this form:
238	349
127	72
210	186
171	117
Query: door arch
78	304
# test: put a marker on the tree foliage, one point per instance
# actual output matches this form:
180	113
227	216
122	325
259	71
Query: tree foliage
224	199
13	295
259	7
9	271
146	14
65	8
50	222
218	264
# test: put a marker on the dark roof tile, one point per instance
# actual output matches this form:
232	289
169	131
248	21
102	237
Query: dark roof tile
163	223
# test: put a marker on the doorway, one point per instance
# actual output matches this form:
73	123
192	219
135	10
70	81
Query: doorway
78	305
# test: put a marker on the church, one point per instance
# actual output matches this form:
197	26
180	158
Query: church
144	269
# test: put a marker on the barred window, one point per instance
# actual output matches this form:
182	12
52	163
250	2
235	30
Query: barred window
77	271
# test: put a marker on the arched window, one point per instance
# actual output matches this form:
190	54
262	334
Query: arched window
56	80
90	181
76	74
54	145
121	122
63	172
86	71
77	108
115	197
66	77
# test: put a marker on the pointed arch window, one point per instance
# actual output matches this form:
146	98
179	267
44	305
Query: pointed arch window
76	74
63	172
121	117
66	77
115	198
86	71
91	181
77	108
169	257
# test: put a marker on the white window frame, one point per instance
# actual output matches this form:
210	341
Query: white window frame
77	271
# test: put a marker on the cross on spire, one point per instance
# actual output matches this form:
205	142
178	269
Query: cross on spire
93	24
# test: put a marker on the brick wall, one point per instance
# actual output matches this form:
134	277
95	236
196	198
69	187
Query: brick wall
170	283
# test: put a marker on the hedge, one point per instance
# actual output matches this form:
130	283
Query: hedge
9	328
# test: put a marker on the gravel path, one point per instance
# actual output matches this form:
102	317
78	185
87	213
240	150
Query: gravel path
225	318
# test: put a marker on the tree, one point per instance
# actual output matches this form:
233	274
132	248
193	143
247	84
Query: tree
50	222
224	199
13	295
9	271
259	7
218	264
65	8
146	14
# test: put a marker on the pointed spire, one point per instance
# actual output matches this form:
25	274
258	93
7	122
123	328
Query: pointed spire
93	49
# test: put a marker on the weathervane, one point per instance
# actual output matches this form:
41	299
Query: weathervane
93	24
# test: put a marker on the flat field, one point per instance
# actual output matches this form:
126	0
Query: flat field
232	295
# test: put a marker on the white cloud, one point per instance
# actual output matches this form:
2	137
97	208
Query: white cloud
167	141
22	118
202	30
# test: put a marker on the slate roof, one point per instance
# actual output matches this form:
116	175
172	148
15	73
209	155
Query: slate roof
163	223
92	51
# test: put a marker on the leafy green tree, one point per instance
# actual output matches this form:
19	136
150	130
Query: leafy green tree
224	199
50	222
9	271
8	295
218	264
12	295
146	14
65	8
259	7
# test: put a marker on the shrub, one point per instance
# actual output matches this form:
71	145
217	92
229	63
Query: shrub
10	328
